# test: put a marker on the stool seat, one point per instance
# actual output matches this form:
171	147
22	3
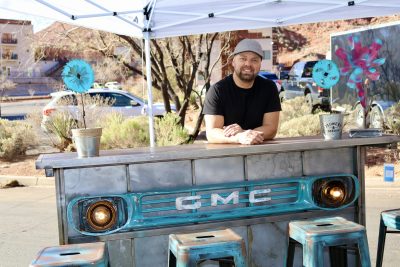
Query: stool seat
316	234
389	219
82	255
302	230
188	249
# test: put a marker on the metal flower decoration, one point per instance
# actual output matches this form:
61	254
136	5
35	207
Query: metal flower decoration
360	61
78	75
325	73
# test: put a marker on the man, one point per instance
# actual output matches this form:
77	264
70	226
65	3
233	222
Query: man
243	107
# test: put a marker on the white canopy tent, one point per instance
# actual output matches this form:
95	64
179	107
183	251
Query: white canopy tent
149	19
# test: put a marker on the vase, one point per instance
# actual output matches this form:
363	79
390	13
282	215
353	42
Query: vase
331	125
87	141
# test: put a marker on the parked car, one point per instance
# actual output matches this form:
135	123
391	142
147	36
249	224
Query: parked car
301	83
121	101
271	76
283	75
113	85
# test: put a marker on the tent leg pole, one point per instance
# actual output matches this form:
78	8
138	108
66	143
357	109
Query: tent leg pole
149	89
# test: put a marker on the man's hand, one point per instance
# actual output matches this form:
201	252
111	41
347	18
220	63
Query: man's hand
232	130
250	137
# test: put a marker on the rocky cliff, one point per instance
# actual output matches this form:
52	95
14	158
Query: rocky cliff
311	41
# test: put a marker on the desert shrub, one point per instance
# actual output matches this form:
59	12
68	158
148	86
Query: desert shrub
393	118
15	138
59	129
294	108
305	125
169	132
120	132
62	121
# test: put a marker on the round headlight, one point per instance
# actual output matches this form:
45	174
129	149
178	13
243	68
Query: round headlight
333	193
101	215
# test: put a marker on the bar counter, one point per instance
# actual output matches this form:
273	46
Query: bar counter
200	165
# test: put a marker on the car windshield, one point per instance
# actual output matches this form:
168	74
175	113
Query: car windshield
270	76
137	97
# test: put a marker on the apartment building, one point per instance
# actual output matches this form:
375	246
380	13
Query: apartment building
16	53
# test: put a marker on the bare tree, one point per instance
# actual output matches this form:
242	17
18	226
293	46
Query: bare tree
174	61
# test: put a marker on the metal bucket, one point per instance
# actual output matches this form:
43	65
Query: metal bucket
331	125
87	142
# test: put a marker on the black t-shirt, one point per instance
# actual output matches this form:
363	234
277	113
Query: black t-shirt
245	107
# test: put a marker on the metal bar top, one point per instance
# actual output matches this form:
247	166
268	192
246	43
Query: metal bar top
198	151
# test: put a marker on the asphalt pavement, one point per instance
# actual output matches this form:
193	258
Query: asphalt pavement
28	220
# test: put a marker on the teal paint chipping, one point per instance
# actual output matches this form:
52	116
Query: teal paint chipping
210	203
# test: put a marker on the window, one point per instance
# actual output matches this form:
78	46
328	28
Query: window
119	100
267	54
308	68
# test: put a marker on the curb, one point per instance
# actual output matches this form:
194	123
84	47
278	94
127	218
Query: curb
27	180
24	98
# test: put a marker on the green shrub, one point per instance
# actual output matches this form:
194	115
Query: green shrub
15	138
169	132
120	132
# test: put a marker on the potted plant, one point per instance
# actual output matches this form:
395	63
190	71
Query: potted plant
326	74
78	76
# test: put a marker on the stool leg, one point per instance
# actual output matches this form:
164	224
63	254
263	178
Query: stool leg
364	251
381	243
313	254
290	252
171	260
240	261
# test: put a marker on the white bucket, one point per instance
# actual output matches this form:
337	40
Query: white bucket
331	125
87	142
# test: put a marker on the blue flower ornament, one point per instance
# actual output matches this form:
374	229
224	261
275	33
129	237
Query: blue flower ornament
78	75
325	73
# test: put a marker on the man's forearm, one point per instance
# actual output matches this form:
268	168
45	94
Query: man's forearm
268	131
216	135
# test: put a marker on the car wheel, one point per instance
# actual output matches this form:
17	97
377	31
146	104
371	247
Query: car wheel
359	116
376	118
309	103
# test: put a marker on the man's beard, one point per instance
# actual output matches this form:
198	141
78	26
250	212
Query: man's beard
248	77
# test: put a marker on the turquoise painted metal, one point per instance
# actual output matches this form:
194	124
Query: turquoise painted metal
389	219
186	250
82	255
210	203
316	234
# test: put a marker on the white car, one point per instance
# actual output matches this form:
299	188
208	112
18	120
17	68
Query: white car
113	85
122	102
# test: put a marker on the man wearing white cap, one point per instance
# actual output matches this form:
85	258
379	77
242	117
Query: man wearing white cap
243	107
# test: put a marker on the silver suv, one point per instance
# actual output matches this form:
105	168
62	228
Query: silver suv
301	83
121	101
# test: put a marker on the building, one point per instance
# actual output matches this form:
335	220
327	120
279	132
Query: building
16	53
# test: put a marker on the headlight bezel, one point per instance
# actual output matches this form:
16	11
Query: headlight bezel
324	198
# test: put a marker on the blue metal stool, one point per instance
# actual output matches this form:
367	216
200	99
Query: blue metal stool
316	234
391	219
82	255
189	249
